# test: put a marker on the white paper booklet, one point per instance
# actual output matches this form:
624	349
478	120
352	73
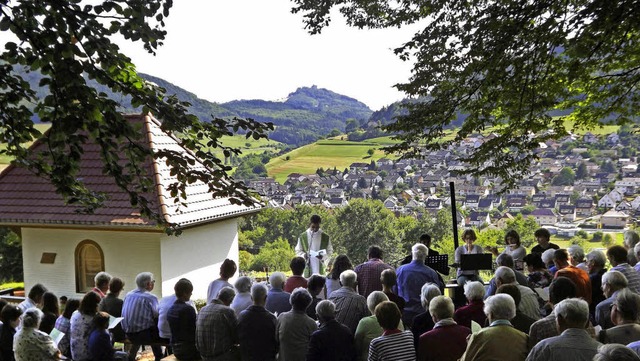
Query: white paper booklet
56	336
475	327
114	321
321	252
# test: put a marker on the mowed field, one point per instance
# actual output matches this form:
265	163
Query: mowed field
326	154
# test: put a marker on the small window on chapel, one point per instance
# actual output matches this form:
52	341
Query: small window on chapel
89	261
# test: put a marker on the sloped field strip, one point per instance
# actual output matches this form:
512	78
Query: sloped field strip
326	154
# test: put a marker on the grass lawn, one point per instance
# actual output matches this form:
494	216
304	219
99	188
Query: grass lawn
325	154
247	146
564	243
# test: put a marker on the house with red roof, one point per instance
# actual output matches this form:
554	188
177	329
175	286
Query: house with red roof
64	249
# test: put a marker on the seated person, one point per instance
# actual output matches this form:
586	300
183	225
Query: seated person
393	344
539	276
29	343
521	321
100	341
624	315
423	322
182	322
448	340
499	341
474	310
10	316
513	248
297	266
469	237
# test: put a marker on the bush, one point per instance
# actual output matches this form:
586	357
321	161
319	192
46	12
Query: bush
246	259
10	256
607	241
274	256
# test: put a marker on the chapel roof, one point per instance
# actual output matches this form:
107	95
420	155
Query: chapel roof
28	199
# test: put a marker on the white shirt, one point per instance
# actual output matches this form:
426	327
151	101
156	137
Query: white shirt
315	239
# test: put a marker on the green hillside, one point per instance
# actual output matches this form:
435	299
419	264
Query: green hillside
307	114
326	154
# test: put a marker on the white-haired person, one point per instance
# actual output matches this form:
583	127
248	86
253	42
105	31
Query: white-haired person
257	328
411	278
625	314
424	322
101	281
333	340
277	298
528	298
612	283
31	344
616	352
140	317
630	240
368	327
351	307
576	257
596	261
448	340
294	328
217	328
499	341
574	342
242	301
474	309
393	344
547	258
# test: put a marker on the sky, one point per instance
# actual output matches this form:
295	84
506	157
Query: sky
223	50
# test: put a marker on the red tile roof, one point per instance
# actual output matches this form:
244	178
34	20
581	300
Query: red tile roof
27	199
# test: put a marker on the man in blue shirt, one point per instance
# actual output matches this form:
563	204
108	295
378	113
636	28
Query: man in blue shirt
140	316
257	328
411	278
181	318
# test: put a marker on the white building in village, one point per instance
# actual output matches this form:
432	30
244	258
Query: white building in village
63	249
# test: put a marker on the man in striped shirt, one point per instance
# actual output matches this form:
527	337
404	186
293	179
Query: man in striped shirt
617	256
350	306
140	316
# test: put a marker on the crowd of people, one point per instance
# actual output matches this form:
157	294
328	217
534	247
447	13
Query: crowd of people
550	304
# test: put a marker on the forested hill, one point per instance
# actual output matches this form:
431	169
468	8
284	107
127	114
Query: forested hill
306	115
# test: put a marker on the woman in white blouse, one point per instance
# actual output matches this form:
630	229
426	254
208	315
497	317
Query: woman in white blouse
31	344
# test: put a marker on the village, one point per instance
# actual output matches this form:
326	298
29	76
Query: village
603	191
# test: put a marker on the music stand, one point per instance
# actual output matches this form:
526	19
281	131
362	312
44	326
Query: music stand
476	261
439	263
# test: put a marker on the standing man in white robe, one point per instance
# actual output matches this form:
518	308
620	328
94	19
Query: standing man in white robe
310	243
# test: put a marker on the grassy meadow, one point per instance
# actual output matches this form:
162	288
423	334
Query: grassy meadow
326	154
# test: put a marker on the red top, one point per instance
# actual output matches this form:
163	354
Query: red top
580	278
443	343
294	282
471	312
